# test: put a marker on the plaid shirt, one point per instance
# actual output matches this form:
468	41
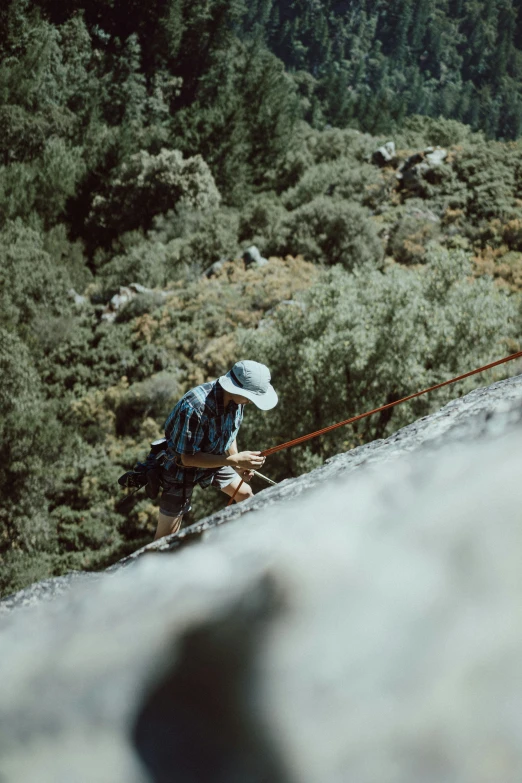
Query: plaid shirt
199	423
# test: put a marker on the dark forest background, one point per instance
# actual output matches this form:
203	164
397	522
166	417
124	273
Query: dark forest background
141	143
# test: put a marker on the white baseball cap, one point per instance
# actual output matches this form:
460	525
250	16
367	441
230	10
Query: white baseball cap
252	380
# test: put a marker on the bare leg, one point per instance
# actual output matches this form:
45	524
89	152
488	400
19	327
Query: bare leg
167	525
244	493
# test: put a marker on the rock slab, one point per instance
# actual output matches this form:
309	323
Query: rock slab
361	623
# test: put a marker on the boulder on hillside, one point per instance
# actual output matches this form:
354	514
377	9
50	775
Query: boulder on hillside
385	155
421	169
435	156
253	258
77	298
214	268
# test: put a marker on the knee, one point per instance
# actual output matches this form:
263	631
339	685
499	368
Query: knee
244	493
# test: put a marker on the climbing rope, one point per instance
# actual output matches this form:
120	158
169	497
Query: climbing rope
316	434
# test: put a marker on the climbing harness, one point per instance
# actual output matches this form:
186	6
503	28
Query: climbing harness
316	434
146	475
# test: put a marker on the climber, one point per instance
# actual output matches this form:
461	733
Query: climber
201	434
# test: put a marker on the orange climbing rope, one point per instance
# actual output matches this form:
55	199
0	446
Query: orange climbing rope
316	434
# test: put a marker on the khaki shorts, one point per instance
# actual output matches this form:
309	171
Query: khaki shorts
171	501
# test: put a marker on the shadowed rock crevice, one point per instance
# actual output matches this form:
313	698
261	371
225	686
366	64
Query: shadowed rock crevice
199	722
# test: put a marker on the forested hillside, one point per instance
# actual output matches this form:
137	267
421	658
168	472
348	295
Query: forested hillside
373	62
142	143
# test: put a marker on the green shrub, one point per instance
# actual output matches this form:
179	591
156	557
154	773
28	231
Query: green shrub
144	263
97	355
19	569
344	178
311	147
365	339
154	397
489	173
69	256
206	238
29	282
410	237
261	224
139	305
145	186
179	244
418	131
30	439
42	186
332	232
83	504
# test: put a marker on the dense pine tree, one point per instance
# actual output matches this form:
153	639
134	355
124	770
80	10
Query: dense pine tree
435	56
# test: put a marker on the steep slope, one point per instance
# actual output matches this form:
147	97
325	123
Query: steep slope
358	623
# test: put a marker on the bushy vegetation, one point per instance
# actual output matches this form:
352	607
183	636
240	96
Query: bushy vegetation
142	143
361	340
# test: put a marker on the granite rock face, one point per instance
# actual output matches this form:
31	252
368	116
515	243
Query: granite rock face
361	623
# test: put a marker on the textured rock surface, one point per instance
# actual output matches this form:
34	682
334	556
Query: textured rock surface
361	623
46	590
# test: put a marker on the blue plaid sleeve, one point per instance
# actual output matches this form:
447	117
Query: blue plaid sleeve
184	430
